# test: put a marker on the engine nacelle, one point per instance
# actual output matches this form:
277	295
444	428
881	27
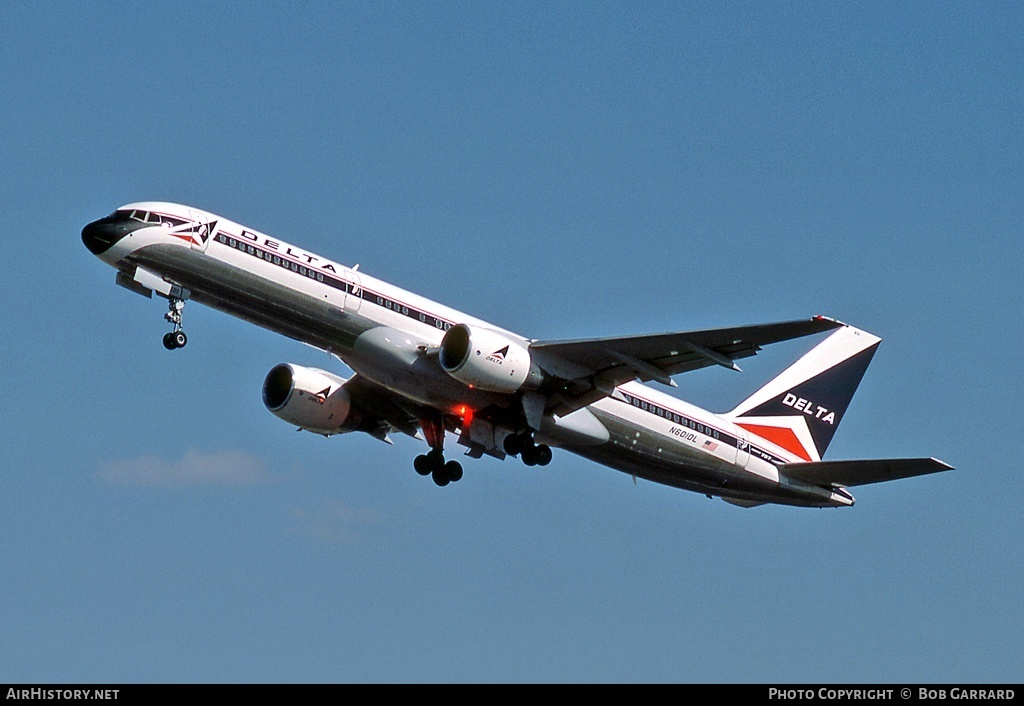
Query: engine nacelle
485	359
309	398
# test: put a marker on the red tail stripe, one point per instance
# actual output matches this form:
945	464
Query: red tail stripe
780	436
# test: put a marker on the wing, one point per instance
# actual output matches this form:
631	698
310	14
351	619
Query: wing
592	368
850	473
386	411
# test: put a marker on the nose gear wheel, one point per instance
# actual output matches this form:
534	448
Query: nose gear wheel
176	338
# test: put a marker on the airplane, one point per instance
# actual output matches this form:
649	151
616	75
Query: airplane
426	370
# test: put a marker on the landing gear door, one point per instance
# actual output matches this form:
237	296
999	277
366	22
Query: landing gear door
202	230
353	292
742	450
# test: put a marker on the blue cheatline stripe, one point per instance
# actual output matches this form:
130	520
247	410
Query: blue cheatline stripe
700	427
319	274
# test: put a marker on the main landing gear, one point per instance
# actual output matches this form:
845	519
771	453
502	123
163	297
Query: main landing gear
444	472
177	337
531	453
432	463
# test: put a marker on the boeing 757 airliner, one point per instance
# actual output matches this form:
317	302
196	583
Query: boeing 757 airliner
426	370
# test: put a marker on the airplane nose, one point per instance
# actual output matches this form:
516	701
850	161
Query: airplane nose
99	235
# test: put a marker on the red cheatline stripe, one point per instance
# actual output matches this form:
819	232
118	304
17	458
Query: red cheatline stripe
780	436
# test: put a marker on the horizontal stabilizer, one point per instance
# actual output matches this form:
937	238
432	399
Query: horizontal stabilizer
861	472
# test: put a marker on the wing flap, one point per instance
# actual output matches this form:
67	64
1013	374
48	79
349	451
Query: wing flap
862	472
383	404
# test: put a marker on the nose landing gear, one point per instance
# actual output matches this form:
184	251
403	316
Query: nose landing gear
177	337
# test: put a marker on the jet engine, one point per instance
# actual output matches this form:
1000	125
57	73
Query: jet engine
487	360
310	398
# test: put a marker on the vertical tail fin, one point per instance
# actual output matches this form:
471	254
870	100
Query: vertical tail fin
800	409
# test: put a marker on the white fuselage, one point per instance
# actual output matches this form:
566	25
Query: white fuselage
377	328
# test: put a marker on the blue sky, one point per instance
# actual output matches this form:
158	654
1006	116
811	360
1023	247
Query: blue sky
564	170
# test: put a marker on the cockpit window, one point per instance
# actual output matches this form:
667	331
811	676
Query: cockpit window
150	217
145	216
